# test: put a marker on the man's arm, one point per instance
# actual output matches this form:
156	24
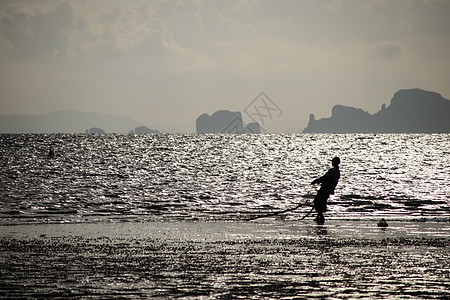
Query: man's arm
323	178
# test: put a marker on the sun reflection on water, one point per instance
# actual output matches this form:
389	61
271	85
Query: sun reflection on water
183	176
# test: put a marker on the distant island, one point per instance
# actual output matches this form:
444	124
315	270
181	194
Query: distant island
67	122
95	130
225	121
410	111
143	130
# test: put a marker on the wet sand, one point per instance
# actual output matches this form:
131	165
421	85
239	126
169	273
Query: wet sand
226	260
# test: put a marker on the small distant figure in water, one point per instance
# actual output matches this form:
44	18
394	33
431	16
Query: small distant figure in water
382	223
51	153
328	184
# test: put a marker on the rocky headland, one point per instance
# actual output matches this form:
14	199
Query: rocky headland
410	111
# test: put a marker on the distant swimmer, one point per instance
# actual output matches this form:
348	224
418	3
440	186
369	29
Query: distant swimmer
51	153
328	184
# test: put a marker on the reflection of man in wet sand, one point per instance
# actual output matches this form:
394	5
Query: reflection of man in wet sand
328	184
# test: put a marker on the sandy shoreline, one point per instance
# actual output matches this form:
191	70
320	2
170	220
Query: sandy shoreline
228	260
222	231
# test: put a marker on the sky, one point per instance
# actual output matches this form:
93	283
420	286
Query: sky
165	62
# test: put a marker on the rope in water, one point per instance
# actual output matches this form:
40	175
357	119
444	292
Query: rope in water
283	211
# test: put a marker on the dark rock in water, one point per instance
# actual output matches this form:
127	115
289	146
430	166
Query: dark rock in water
252	128
382	223
51	153
225	121
411	111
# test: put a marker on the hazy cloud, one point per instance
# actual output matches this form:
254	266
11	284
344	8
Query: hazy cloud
387	50
332	5
165	60
367	5
29	29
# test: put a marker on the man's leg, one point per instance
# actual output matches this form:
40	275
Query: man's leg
320	205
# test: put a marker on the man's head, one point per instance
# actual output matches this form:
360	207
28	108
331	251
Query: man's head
336	161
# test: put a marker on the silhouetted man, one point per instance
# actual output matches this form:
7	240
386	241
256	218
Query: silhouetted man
328	184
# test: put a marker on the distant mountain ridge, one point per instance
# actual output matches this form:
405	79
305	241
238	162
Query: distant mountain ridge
410	111
65	122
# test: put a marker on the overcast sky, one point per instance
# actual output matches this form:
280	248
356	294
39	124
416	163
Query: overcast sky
165	62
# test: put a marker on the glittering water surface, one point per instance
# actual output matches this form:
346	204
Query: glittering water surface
97	178
163	216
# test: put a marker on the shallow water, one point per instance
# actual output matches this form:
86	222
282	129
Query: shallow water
228	260
97	178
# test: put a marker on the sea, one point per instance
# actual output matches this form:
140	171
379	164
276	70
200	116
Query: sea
96	178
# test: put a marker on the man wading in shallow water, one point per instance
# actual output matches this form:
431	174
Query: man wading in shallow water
328	184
